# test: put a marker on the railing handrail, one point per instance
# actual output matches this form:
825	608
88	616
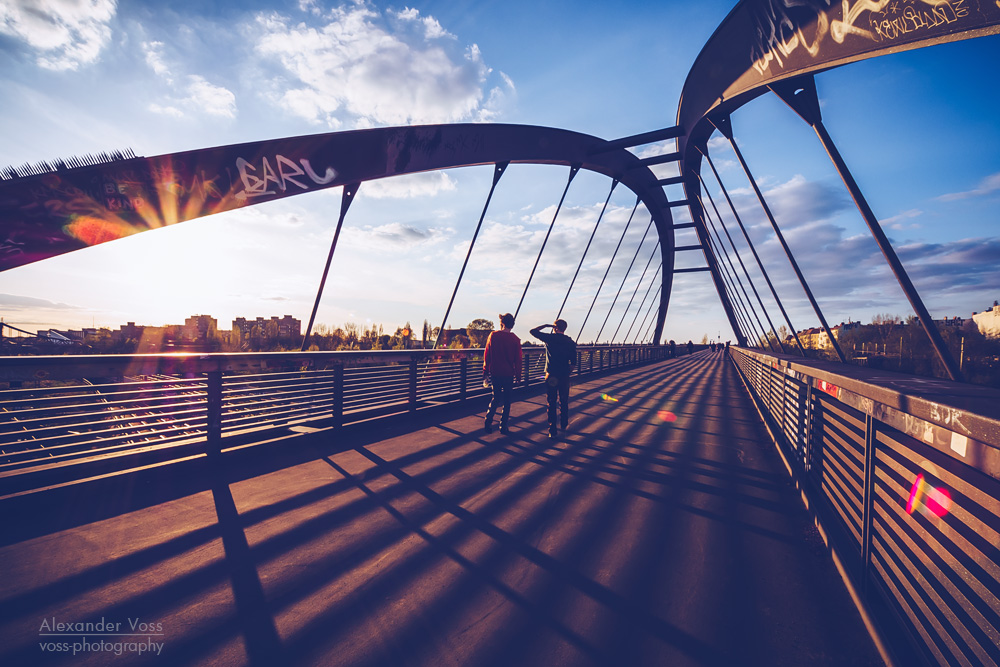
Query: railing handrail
902	475
66	367
972	411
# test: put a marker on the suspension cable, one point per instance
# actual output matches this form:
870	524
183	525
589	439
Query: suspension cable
572	172
614	182
624	278
608	270
498	171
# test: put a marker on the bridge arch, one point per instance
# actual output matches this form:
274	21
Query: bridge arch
67	209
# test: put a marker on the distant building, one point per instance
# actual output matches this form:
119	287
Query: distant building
950	322
988	321
817	339
285	327
199	328
128	332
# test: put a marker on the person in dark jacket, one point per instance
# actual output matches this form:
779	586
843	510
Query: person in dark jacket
502	364
560	357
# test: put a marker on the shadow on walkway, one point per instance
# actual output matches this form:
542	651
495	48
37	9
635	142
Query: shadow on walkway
661	529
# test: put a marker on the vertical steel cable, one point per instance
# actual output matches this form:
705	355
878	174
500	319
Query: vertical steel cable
614	182
624	278
740	308
572	172
648	312
643	302
608	270
346	197
727	130
735	275
498	171
746	272
760	263
635	291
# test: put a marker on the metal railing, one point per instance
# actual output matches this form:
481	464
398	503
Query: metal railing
904	474
69	417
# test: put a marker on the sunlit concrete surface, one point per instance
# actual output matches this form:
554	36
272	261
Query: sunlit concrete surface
635	539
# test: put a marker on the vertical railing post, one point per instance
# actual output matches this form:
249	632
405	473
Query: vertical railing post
412	399
807	426
463	377
338	396
213	396
871	441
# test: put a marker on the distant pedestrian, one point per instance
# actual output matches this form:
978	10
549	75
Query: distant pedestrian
673	349
690	347
502	365
560	357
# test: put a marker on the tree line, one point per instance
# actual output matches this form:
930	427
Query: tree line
891	343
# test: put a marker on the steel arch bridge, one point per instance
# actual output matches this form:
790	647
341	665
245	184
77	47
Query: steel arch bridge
762	46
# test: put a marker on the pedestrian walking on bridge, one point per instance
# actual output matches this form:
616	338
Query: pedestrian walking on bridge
560	357
502	365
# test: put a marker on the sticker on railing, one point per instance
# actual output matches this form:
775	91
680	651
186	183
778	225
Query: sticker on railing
927	499
828	388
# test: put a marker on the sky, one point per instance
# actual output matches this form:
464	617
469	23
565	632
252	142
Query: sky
918	129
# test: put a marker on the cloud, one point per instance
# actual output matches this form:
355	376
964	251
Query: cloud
425	184
366	68
987	186
190	96
213	100
67	34
896	222
17	302
652	150
392	237
155	59
432	29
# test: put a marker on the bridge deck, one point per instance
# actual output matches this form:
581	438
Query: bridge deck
634	540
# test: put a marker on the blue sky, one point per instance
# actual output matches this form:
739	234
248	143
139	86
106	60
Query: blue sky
918	129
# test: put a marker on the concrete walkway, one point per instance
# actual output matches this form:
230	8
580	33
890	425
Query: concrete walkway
661	530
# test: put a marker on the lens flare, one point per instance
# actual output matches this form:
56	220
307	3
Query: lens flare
667	416
611	399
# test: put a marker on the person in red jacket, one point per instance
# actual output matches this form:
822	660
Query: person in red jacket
502	364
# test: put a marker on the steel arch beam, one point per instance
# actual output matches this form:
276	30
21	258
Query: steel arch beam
47	214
